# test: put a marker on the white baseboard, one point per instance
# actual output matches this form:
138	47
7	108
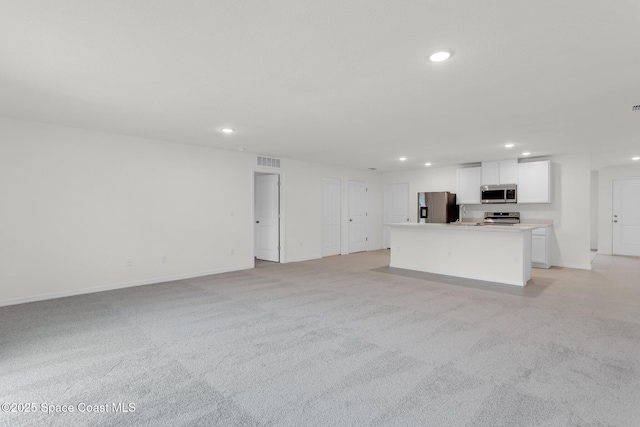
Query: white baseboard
573	265
309	258
319	257
111	287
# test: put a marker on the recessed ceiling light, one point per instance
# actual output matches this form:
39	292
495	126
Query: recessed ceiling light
427	164
227	130
439	56
509	145
635	158
526	153
402	159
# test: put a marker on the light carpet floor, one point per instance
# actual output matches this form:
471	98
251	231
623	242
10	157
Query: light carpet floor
342	341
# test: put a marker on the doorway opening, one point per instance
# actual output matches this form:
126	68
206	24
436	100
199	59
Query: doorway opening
358	239
331	216
267	217
396	207
626	217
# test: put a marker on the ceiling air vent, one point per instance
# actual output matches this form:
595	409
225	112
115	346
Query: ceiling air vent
635	108
269	162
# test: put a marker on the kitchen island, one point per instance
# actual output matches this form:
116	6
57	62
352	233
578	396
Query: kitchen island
495	253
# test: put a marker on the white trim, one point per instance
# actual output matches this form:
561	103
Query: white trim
111	287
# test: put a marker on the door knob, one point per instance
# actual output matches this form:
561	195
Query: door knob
257	222
350	220
615	216
407	219
615	220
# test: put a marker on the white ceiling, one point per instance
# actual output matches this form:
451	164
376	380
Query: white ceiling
342	82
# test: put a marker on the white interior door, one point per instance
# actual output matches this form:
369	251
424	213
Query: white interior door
330	216
626	217
357	216
396	207
267	206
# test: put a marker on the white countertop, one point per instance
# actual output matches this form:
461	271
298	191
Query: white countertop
537	222
515	228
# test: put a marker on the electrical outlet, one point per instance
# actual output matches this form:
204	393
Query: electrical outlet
233	251
129	262
164	259
300	244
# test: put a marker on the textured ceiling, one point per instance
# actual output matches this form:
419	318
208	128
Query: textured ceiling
338	82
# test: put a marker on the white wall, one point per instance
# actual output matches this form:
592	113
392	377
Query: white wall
77	204
569	209
429	179
303	207
605	195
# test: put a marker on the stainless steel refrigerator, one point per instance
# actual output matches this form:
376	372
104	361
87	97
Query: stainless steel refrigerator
437	207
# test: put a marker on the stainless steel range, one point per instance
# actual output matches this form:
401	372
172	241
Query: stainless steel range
501	218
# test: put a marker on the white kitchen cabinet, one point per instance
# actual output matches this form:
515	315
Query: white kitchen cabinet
534	182
508	171
490	173
500	172
540	248
468	182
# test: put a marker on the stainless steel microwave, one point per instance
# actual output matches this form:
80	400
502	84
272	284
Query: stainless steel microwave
503	193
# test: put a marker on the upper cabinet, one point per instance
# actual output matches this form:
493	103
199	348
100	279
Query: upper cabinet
490	173
508	171
534	182
500	172
468	182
